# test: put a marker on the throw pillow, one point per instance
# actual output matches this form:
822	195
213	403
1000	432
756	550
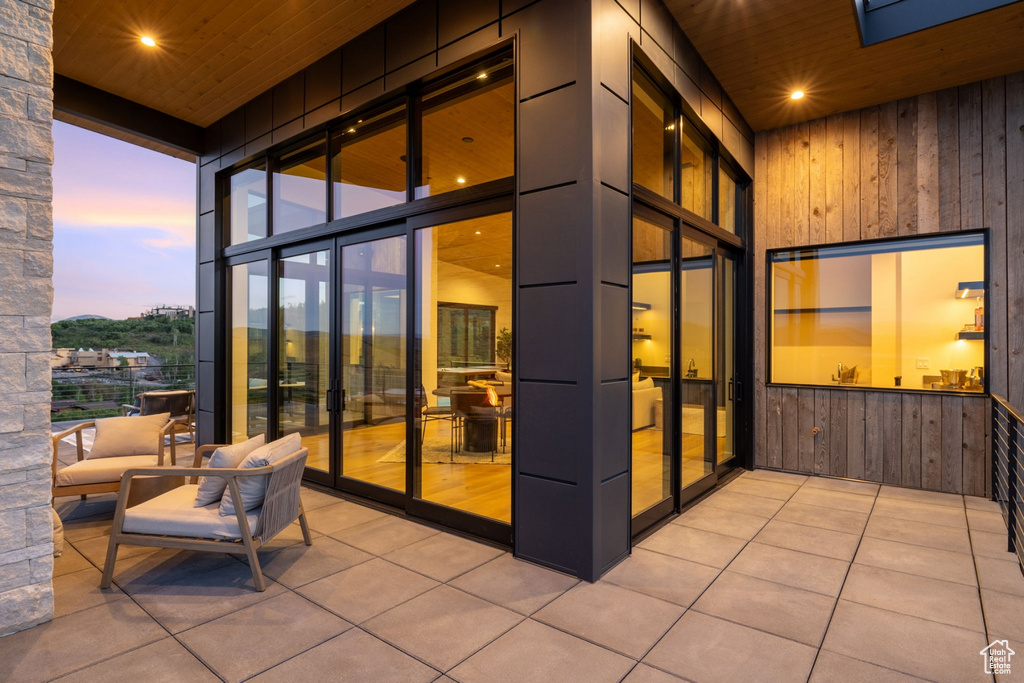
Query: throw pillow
119	436
643	384
254	489
212	488
636	377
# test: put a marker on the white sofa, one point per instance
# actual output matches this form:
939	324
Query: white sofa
645	395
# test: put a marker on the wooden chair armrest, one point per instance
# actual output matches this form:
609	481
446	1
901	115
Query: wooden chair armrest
56	438
127	408
164	431
202	451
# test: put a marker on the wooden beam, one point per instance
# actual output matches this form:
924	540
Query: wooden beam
84	101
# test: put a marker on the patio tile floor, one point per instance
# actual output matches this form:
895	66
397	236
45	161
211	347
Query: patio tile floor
774	577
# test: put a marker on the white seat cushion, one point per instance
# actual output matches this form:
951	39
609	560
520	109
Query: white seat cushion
173	514
101	470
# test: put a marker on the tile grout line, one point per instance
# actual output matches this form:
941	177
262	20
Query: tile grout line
846	576
977	576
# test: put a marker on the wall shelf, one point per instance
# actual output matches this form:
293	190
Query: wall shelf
970	335
638	306
967	290
641	337
830	309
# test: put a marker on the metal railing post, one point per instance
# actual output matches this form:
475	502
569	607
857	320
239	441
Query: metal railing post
995	450
1012	461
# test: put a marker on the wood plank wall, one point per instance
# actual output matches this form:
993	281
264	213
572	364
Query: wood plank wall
943	161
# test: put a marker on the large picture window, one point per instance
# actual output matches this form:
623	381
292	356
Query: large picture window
900	313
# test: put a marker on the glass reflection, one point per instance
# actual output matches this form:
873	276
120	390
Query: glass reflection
247	204
698	414
368	164
652	364
469	131
300	188
463	338
653	137
304	343
726	201
373	362
248	350
695	173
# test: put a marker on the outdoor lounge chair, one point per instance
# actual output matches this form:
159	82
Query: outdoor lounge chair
180	403
172	520
138	442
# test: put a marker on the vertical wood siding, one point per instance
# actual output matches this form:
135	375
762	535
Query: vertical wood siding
938	162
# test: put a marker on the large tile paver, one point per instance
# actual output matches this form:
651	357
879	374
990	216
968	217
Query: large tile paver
918	647
534	653
865	488
260	636
70	561
990	544
765	489
81	590
298	564
355	657
339	516
706	649
165	661
981	520
1004	615
742	502
800	570
808	539
913	511
662	576
642	673
916	559
846	521
725	522
831	667
1000	575
773	607
613	617
834	500
696	545
515	584
443	626
76	641
443	556
777	477
943	601
381	536
919	533
920	496
367	589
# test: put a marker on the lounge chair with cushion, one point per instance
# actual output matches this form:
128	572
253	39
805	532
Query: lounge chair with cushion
196	517
120	444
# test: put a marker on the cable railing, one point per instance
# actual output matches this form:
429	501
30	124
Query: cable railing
1008	471
81	393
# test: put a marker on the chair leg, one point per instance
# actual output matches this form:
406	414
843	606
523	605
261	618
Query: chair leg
254	566
304	526
108	566
83	496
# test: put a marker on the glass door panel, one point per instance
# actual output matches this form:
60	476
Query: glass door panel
374	406
727	386
464	425
652	365
248	350
303	342
697	410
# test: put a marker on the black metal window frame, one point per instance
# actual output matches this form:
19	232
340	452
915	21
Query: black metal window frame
848	248
436	89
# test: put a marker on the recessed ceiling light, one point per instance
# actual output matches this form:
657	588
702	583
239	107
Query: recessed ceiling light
482	76
478	232
460	180
146	40
351	130
467	140
796	95
497	265
671	126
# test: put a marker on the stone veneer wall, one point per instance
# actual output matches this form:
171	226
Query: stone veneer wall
26	299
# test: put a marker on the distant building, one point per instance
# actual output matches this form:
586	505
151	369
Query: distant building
104	358
172	312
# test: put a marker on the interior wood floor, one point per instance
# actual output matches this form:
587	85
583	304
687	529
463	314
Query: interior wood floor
484	490
651	476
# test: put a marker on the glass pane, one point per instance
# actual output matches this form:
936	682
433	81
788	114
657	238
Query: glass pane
696	307
652	364
304	341
653	138
247	205
726	201
892	314
373	364
469	131
727	362
695	174
465	425
300	188
368	165
249	350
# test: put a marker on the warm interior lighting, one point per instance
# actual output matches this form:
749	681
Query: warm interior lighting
671	126
146	40
492	396
478	232
482	77
497	265
796	95
351	130
460	180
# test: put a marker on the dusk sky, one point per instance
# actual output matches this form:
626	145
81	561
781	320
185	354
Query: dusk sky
123	226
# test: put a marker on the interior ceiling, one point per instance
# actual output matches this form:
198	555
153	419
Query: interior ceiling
761	51
211	57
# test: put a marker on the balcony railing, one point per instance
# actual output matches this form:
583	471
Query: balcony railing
1008	471
81	393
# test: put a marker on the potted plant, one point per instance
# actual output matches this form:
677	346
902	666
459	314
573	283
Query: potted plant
503	346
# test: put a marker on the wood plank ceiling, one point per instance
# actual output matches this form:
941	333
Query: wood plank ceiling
211	57
761	51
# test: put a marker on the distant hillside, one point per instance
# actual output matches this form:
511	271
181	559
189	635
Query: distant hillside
172	341
87	317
